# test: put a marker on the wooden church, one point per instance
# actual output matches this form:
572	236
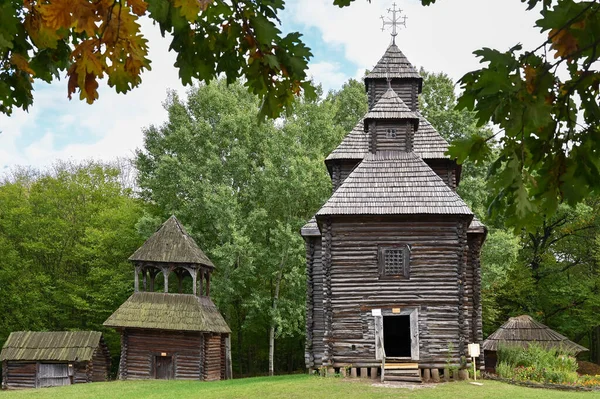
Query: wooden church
393	270
172	335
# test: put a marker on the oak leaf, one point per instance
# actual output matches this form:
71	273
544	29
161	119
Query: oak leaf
563	42
85	17
138	7
21	63
41	35
191	8
57	14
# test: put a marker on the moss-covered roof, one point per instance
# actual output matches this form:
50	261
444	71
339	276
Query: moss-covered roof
171	244
162	311
67	346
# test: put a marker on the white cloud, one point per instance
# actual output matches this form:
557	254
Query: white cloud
111	127
328	74
440	37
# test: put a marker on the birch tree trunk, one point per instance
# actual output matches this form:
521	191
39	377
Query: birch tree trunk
274	309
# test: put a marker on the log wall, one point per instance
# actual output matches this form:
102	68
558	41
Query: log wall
340	170
352	287
212	362
100	365
142	346
445	169
405	88
379	141
19	374
314	303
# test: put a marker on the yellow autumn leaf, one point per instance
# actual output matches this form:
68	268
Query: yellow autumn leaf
21	63
85	17
191	8
90	89
138	7
530	75
42	36
563	42
56	14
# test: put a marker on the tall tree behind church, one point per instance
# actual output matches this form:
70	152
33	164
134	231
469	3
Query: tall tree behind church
244	189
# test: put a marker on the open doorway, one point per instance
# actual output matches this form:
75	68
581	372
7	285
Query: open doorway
396	336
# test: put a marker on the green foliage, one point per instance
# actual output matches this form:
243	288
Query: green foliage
244	189
65	236
549	124
537	364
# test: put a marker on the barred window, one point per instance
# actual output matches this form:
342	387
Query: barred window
391	133
394	261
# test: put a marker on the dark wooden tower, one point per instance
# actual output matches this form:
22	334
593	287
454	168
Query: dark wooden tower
172	335
393	273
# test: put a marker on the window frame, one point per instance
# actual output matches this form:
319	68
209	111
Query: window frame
381	250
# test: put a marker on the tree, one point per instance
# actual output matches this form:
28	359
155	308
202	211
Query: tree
90	39
65	235
549	135
245	189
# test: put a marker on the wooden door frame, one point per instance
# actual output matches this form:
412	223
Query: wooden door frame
413	313
158	354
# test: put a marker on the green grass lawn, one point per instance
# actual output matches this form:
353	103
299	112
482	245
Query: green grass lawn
295	386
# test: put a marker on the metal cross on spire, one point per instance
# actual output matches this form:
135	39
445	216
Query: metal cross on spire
394	21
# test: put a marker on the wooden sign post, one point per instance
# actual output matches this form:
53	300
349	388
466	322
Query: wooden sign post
474	351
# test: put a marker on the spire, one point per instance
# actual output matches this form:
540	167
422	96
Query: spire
395	21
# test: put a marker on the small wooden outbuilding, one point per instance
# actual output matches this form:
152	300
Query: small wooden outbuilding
172	335
522	331
45	359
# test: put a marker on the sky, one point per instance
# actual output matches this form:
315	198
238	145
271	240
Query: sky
345	42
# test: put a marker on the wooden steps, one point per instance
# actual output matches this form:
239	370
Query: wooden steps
408	372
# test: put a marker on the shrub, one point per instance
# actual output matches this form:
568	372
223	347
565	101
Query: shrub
536	364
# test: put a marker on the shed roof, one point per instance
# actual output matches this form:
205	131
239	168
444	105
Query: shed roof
157	310
393	64
394	183
68	346
523	330
311	228
391	106
171	244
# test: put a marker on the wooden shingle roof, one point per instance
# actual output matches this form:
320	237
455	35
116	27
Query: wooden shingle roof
391	106
171	244
180	312
428	143
354	146
68	346
476	227
394	183
523	330
310	229
393	64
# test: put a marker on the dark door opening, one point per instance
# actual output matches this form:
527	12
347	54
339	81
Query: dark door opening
396	336
164	367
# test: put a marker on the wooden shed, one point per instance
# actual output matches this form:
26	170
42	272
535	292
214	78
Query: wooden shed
393	272
522	331
172	335
45	359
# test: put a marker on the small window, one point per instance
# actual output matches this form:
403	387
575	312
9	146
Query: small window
394	261
391	133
